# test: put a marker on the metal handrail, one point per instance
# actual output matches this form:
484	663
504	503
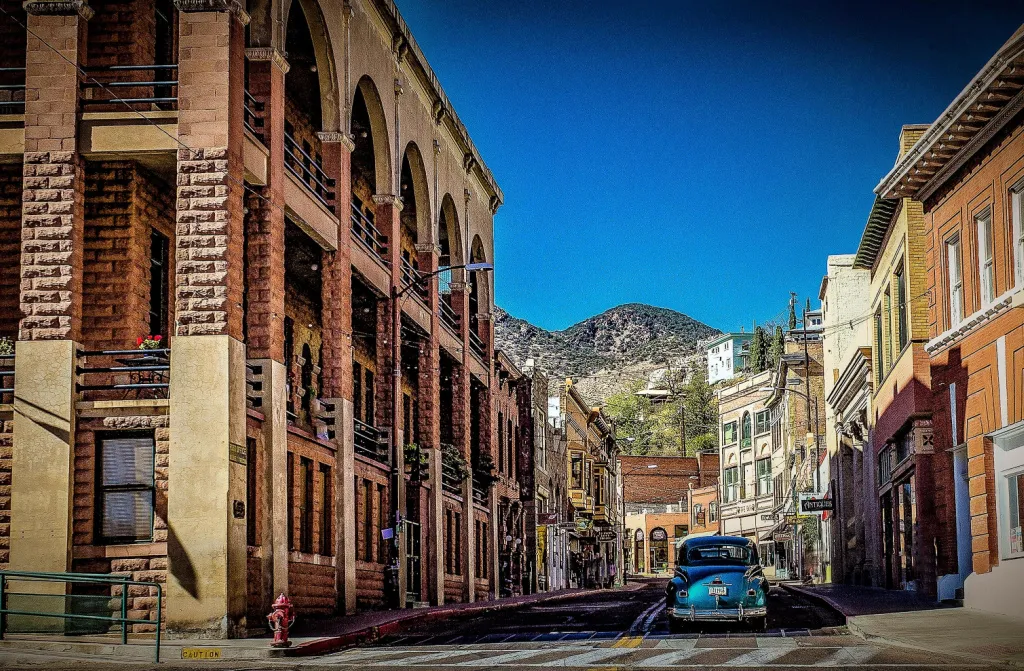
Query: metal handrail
17	86
83	578
253	116
481	494
368	234
477	344
6	373
367	442
161	363
450	480
448	315
92	83
309	171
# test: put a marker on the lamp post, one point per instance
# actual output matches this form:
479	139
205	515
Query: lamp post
397	564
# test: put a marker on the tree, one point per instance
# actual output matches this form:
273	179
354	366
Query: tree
792	311
777	348
634	420
758	351
701	405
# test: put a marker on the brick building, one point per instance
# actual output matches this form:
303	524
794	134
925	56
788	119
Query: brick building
658	496
967	172
283	195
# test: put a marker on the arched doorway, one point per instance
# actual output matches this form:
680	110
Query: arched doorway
659	550
639	555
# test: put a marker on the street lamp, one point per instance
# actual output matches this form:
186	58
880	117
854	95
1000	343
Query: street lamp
398	569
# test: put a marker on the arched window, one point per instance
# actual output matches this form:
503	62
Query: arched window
713	511
746	432
697	510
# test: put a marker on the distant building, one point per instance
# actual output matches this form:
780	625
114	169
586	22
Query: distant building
727	356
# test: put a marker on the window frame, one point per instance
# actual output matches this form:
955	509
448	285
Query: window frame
747	430
101	490
954	282
1017	230
986	257
1008	462
762	477
728	427
730	486
767	422
902	308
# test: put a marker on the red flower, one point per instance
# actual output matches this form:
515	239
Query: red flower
158	338
139	340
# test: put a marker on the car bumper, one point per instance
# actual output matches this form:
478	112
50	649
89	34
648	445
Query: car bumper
740	614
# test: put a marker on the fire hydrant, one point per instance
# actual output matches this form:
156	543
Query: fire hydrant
281	619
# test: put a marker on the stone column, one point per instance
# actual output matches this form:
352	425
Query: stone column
265	310
206	583
429	400
51	294
337	365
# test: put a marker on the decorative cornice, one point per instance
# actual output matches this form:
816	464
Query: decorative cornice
232	6
337	137
468	161
971	323
271	54
494	204
388	199
59	8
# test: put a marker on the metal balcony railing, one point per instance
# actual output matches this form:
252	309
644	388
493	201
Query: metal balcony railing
143	372
476	344
451	481
370	443
12	90
448	315
253	117
368	234
309	171
411	278
6	378
155	86
481	494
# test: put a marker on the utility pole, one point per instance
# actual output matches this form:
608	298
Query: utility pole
682	426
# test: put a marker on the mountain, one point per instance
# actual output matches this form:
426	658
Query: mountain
606	352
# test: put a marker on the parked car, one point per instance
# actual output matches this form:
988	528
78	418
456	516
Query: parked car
717	578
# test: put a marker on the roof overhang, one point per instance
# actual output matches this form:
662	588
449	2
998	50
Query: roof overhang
879	220
984	106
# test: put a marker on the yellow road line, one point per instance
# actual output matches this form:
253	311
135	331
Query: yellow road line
628	642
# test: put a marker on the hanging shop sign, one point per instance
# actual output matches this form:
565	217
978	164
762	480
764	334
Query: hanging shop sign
606	536
815	503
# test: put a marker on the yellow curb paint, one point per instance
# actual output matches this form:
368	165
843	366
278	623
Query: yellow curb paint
200	653
628	642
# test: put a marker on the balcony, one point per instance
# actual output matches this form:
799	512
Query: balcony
370	442
481	493
6	379
451	478
411	277
254	117
12	91
368	234
128	373
476	344
309	171
448	316
134	87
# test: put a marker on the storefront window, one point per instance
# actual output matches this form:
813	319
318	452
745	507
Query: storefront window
659	550
1015	489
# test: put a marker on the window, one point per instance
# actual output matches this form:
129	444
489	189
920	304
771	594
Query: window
887	333
884	466
901	307
681	531
1015	510
158	283
357	390
764	477
126	489
729	433
1009	470
326	498
290	500
576	474
501	442
732	484
382	522
251	505
368	536
1016	204
955	280
879	372
713	511
305	505
904	447
746	433
986	264
762	422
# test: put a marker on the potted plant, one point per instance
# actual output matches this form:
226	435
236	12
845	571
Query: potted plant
417	462
454	463
149	342
6	346
484	474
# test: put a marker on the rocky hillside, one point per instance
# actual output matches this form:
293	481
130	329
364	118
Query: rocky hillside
607	351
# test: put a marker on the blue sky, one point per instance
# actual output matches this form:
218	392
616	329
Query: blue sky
700	156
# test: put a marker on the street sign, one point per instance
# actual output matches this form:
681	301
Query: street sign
583	524
566	525
547	518
782	537
770	517
606	536
793	519
816	503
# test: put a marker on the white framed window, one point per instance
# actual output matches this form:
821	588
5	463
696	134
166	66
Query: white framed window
1017	213
986	257
955	281
1009	470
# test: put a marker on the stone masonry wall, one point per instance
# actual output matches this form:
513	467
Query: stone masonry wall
6	456
10	248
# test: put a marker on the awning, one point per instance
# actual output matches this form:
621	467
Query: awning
770	534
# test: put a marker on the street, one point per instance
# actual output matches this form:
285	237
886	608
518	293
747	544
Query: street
620	629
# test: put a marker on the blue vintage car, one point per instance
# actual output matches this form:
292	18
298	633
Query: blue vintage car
717	578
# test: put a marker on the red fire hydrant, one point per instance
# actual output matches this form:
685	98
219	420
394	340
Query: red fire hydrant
281	619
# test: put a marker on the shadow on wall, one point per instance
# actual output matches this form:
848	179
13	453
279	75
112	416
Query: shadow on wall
179	565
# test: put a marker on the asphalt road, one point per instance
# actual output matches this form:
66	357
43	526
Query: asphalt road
613	630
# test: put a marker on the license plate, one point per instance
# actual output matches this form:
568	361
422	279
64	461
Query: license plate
717	590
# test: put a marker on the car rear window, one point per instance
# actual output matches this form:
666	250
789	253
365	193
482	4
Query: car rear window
714	555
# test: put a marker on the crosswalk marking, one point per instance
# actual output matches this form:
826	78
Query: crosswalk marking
851	656
669	658
758	657
588	658
503	658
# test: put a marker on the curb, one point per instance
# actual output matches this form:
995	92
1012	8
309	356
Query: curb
370	634
857	631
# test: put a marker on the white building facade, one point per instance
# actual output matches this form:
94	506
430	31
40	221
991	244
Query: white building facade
727	356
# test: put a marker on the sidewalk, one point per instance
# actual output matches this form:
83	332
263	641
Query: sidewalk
908	620
312	637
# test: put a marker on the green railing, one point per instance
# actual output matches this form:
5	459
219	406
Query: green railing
70	602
